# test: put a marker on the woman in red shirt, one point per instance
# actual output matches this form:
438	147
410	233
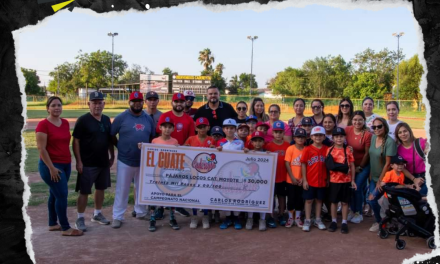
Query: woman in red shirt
53	140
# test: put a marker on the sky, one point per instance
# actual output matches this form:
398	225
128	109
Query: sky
173	37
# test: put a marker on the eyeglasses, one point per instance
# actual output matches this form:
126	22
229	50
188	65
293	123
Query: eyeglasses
274	112
241	108
345	106
377	127
316	107
214	114
189	98
101	127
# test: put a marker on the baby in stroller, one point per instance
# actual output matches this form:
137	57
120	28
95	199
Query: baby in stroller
407	208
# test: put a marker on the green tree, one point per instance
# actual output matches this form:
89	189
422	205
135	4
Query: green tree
132	75
290	82
218	81
170	73
234	85
67	77
219	68
32	81
410	75
365	84
206	58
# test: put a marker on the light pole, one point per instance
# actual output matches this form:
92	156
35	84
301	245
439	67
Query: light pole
252	60
398	35
113	55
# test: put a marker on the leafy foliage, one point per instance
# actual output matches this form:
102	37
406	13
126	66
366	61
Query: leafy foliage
32	81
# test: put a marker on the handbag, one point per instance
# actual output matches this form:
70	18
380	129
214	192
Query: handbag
335	166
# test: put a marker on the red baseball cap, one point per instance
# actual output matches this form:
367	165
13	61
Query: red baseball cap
166	120
257	134
202	121
262	124
178	97
136	96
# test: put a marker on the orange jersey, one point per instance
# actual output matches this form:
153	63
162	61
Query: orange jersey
293	156
171	141
194	141
281	167
391	176
248	143
339	157
314	158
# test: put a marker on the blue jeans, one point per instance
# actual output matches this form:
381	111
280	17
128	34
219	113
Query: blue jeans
374	202
57	203
359	194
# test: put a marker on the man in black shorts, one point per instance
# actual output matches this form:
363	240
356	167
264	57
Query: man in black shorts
91	147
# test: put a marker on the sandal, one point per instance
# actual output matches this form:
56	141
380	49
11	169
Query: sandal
72	232
55	228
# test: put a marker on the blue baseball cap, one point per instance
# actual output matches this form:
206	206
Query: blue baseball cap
251	117
278	125
216	131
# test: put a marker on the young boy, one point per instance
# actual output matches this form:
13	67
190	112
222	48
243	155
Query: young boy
278	145
217	134
314	175
166	127
230	143
243	134
251	121
295	201
341	183
201	140
263	127
257	141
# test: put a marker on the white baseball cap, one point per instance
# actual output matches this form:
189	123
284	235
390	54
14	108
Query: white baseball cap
188	93
230	122
318	130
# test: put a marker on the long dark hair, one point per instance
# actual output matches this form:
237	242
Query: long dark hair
264	116
386	129
350	113
405	125
362	114
394	103
322	104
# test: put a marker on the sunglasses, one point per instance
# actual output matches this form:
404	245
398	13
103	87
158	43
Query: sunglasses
274	112
214	114
189	98
316	107
345	106
101	127
241	108
377	127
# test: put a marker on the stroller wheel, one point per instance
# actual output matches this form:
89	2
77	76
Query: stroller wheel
431	243
393	230
383	234
400	244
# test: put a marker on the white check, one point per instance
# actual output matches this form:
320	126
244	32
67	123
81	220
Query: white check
205	178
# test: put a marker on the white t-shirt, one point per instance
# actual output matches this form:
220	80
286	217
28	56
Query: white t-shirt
369	121
392	133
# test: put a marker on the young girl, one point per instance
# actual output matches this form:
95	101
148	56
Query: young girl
314	175
294	187
257	141
367	107
166	126
298	106
393	115
230	143
201	140
340	182
278	145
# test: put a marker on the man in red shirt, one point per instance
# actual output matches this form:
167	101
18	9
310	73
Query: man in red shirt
184	124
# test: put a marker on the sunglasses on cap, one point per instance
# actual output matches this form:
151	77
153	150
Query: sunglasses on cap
214	114
241	108
377	127
189	98
345	106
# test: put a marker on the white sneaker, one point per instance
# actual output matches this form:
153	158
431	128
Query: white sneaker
249	223
205	222
374	227
262	225
319	224
350	215
306	226
356	219
194	222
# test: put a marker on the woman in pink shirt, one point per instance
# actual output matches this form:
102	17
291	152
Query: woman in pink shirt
274	115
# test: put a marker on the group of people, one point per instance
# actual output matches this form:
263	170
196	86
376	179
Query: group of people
325	159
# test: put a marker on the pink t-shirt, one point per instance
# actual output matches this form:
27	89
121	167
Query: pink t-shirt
408	154
171	141
269	134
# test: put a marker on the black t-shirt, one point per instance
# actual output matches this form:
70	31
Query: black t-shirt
224	111
240	121
94	139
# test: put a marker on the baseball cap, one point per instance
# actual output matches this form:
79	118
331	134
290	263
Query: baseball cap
178	97
136	96
229	122
338	131
166	120
188	93
278	125
300	132
202	121
257	134
96	96
317	130
216	131
242	125
251	117
397	159
152	94
307	121
262	124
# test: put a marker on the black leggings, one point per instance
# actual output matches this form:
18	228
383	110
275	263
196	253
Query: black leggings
295	199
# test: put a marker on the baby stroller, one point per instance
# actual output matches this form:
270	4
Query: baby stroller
414	215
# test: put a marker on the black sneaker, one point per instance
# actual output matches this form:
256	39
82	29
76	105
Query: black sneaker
152	227
182	212
344	229
133	213
333	226
158	214
174	225
327	218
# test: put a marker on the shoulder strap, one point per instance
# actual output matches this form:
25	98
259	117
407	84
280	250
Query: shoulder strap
345	153
418	148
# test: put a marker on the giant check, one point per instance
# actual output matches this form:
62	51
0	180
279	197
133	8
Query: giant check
207	179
